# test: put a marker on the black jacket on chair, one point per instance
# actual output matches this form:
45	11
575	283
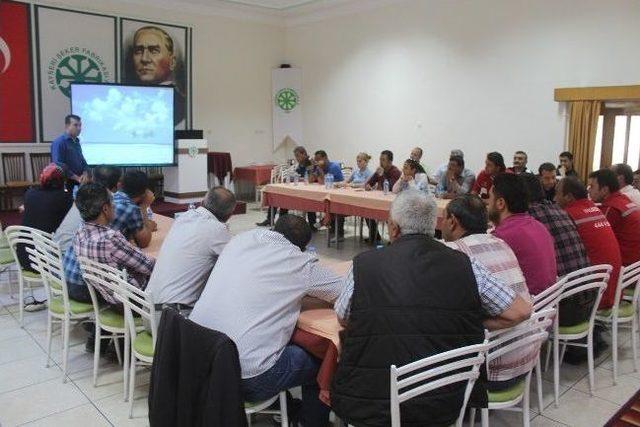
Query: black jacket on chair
413	299
195	378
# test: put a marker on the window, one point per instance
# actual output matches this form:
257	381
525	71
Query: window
618	136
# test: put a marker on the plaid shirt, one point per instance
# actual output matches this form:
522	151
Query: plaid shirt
71	266
571	254
102	244
495	297
128	218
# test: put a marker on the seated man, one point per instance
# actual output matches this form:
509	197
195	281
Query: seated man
520	163
322	168
303	169
622	213
598	239
131	203
385	172
625	179
398	303
109	176
547	175
571	254
254	295
493	166
457	180
465	229
565	168
190	250
416	155
442	169
96	241
528	238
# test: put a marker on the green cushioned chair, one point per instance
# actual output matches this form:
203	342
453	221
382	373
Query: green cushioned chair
6	257
30	274
56	305
574	329
508	394
628	292
624	310
113	319
143	344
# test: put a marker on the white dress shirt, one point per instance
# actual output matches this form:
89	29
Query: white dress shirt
187	256
255	292
632	193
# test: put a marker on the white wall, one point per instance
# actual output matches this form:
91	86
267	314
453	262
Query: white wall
469	74
232	62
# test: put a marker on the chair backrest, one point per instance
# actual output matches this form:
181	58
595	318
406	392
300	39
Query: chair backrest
587	279
48	257
526	337
38	162
434	372
20	234
133	299
549	297
286	171
347	172
629	276
90	270
14	165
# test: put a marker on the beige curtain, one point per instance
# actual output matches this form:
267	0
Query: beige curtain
583	124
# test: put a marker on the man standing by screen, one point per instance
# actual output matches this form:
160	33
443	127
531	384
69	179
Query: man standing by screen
66	151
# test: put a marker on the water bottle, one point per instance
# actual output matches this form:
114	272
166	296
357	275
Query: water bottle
286	178
192	206
149	213
311	250
295	178
385	186
306	177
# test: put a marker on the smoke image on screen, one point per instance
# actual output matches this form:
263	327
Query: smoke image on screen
125	125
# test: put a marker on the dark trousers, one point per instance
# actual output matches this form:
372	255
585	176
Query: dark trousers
294	368
311	216
79	293
332	227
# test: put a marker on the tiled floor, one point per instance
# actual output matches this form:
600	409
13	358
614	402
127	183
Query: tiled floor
35	395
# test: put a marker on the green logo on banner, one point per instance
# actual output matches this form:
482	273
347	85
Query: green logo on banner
287	99
75	64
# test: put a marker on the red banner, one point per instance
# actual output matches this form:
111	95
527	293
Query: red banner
16	92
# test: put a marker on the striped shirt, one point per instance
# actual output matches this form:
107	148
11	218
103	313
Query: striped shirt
254	295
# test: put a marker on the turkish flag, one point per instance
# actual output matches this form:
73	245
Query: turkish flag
16	84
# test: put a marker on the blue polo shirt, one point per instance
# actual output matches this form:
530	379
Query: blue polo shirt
67	153
334	169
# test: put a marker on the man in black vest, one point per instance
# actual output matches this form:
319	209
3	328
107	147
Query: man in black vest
405	302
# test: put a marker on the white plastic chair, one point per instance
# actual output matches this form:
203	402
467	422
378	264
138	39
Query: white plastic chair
623	313
532	332
588	279
261	407
109	324
548	298
454	366
19	234
143	343
46	258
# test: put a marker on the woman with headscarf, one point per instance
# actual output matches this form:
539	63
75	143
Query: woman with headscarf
45	206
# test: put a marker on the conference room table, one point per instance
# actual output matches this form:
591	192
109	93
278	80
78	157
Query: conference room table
346	201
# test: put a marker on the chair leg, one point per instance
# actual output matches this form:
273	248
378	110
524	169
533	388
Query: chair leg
96	354
65	348
526	404
548	358
132	383
634	342
21	297
614	349
117	345
49	338
539	386
472	416
556	370
485	417
284	416
590	361
127	357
